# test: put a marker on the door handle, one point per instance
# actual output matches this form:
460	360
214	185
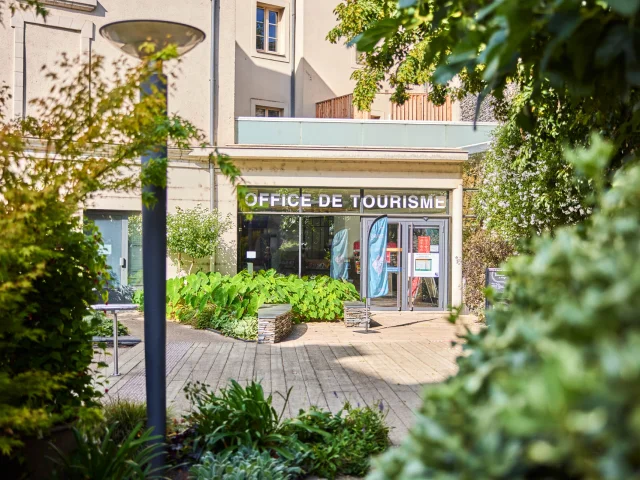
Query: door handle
123	262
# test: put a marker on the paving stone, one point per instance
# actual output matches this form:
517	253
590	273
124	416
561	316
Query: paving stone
325	364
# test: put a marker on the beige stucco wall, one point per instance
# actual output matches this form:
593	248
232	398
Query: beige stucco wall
73	32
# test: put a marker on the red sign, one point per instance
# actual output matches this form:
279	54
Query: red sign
424	244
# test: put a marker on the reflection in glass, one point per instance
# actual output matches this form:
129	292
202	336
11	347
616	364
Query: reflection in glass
394	268
331	246
260	29
269	241
424	285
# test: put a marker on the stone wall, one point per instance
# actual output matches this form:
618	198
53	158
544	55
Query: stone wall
355	314
274	323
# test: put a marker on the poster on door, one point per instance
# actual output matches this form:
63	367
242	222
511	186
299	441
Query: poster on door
425	265
424	244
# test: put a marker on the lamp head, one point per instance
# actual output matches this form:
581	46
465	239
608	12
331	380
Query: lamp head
130	36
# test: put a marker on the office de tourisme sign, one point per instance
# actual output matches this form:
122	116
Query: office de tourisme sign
338	200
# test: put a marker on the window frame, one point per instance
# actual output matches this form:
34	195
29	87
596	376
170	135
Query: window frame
267	110
256	103
281	8
266	38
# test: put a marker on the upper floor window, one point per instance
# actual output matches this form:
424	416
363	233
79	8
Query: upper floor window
267	35
268	112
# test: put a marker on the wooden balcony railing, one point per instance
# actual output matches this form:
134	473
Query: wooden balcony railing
417	107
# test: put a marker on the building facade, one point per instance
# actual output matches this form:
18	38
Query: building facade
255	87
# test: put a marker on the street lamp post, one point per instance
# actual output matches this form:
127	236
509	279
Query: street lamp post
133	37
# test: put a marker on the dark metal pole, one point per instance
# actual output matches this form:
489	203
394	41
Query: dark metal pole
154	254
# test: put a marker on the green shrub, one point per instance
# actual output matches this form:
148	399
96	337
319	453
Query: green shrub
104	458
238	416
316	441
340	443
218	301
480	250
245	328
102	326
122	417
243	464
550	389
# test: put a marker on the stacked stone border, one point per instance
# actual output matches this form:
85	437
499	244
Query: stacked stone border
274	323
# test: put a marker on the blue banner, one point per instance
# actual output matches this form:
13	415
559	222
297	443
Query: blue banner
339	256
377	268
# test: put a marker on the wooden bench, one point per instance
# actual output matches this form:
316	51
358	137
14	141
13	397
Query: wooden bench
355	314
274	322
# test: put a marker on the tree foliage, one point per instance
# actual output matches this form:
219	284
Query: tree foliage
195	233
550	388
86	136
527	185
401	60
581	48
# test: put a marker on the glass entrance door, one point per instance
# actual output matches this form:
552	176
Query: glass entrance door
113	228
393	299
426	248
417	265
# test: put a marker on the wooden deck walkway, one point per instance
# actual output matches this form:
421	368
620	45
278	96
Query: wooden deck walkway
324	364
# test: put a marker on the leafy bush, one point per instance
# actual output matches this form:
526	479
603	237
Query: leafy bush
122	417
50	269
316	441
102	326
340	443
237	416
480	250
214	300
550	389
243	464
104	458
245	328
192	234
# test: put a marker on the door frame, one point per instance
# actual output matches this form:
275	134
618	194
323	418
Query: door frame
404	224
124	219
443	248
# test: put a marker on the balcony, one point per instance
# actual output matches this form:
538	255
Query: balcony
331	132
417	107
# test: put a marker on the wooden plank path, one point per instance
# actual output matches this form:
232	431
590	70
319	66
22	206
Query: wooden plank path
324	365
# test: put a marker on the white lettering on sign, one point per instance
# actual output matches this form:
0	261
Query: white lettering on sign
251	199
324	200
380	202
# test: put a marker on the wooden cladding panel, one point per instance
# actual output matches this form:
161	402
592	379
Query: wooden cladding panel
417	107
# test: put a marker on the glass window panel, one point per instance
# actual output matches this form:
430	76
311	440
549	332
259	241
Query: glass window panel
269	241
272	45
405	201
273	32
331	246
273	113
135	256
260	112
260	14
273	199
394	268
259	43
273	17
110	227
